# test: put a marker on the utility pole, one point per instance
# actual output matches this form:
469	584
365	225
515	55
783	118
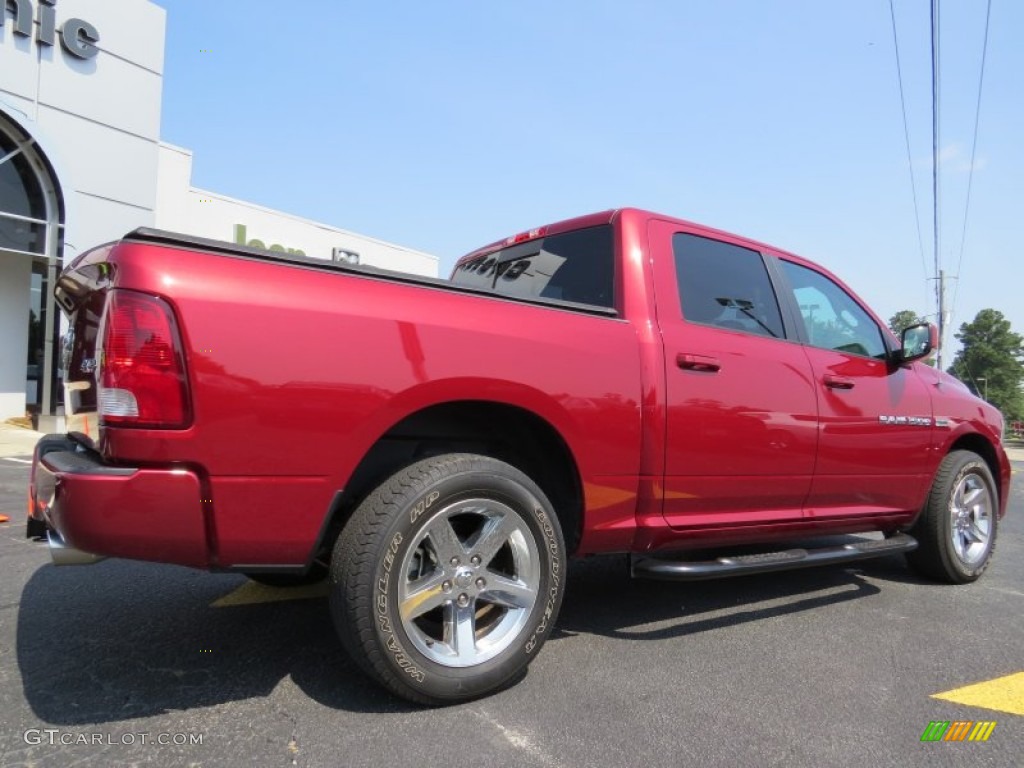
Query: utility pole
941	290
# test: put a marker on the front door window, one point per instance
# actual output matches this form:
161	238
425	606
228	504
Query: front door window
832	319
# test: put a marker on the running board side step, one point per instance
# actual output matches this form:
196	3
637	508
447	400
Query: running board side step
766	562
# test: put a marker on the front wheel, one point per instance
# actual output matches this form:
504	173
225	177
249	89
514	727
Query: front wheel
448	578
956	530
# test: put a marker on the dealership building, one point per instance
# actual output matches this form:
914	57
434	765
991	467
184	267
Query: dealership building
82	163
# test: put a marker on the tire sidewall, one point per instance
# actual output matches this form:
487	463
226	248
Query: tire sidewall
969	465
421	674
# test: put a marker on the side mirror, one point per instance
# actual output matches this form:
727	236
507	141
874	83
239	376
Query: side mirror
918	341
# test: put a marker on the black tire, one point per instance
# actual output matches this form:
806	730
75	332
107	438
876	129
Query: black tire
961	556
316	573
448	529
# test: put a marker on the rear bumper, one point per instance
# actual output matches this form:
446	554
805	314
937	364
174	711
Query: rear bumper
95	508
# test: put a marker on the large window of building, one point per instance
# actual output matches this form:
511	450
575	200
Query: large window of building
31	225
22	205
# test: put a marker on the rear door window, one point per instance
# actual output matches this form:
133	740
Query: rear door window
725	286
577	266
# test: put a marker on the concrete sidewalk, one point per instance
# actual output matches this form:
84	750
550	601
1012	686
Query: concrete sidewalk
16	441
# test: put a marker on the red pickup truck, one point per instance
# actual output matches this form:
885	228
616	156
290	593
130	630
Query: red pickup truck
623	382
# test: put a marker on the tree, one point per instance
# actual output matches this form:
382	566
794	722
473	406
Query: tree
904	319
991	361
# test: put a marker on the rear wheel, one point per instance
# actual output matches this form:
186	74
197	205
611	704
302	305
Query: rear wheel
956	531
448	578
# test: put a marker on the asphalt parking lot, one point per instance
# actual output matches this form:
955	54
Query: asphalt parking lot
133	663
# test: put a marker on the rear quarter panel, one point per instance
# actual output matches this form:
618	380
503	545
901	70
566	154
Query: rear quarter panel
296	372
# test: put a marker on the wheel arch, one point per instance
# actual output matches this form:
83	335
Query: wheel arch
978	444
503	431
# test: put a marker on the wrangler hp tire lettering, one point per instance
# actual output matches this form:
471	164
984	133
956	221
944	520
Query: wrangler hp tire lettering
448	578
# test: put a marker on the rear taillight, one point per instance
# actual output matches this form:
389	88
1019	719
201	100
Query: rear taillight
141	372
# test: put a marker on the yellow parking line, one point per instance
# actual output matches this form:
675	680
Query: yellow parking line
1004	694
251	593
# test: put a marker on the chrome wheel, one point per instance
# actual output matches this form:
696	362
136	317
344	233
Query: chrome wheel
447	579
468	582
971	510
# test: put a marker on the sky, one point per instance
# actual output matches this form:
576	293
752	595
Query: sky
443	126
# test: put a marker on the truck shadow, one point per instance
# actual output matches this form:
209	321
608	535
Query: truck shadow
122	640
601	598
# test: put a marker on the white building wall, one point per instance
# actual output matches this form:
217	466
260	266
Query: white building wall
97	121
103	113
183	208
19	63
9	102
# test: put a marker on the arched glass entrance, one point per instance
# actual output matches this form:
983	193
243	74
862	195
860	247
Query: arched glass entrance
31	239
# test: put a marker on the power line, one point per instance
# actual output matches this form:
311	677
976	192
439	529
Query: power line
974	150
906	137
939	294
